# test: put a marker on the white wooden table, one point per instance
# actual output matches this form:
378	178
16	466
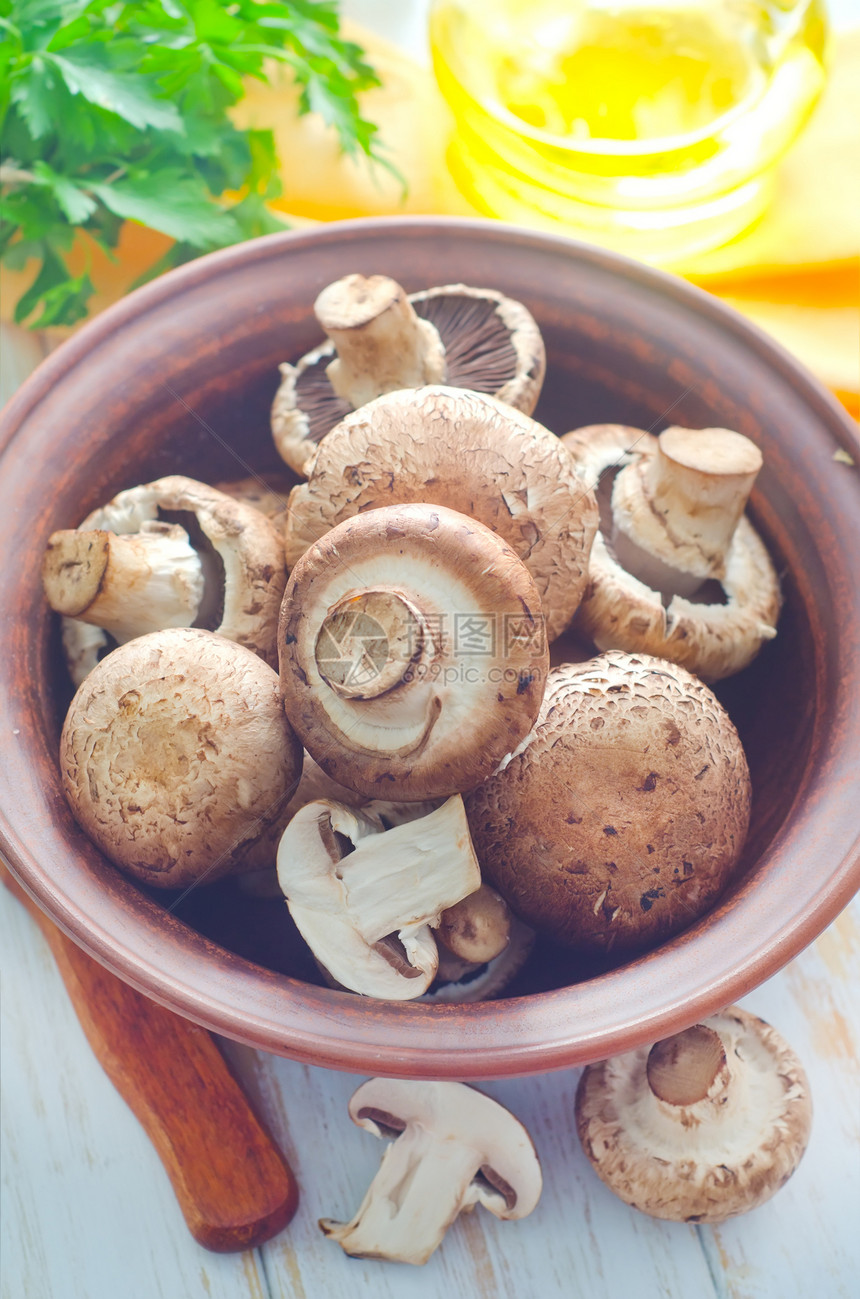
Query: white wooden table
87	1212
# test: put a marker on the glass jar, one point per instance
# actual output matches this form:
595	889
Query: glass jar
652	128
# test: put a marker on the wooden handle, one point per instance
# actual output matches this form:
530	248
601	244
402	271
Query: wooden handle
233	1186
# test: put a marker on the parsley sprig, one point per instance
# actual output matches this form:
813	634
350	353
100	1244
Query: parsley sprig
119	111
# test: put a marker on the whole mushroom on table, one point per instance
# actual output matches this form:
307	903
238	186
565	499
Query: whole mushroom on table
705	1125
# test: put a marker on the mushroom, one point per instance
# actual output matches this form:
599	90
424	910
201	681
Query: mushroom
677	522
452	1148
467	338
623	815
707	1124
364	897
177	759
478	928
470	453
172	553
469	981
412	652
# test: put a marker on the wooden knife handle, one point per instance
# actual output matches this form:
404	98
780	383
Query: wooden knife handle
233	1186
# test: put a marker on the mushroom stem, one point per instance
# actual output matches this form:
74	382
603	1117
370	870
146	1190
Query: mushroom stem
381	343
477	929
675	511
423	1183
684	1069
128	584
368	642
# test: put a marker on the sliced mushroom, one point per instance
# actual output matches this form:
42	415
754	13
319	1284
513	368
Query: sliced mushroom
315	786
467	338
364	897
623	816
707	1124
412	652
676	521
453	1147
467	981
169	553
470	453
177	759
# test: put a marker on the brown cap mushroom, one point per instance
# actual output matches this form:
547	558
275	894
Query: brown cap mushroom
364	897
169	553
466	338
177	758
621	818
470	453
707	1124
676	521
412	652
453	1147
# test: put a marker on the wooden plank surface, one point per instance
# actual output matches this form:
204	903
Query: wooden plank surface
87	1212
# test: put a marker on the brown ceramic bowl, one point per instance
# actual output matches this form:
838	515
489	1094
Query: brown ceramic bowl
179	377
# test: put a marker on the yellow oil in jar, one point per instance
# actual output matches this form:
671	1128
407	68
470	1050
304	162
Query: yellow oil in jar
651	127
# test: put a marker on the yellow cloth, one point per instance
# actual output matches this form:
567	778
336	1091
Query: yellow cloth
796	273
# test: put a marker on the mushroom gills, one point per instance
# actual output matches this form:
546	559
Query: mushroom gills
453	1147
210	610
422	1186
475	339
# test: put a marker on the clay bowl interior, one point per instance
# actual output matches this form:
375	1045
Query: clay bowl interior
179	378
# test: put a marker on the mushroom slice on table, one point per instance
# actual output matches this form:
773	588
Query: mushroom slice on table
707	1124
452	1148
412	652
470	453
177	759
380	340
621	818
675	523
463	981
172	553
364	897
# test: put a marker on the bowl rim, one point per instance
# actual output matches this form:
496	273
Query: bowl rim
510	1036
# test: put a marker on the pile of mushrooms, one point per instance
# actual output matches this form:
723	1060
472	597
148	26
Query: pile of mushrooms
339	690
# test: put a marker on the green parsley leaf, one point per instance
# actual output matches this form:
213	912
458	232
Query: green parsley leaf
118	110
177	205
87	74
